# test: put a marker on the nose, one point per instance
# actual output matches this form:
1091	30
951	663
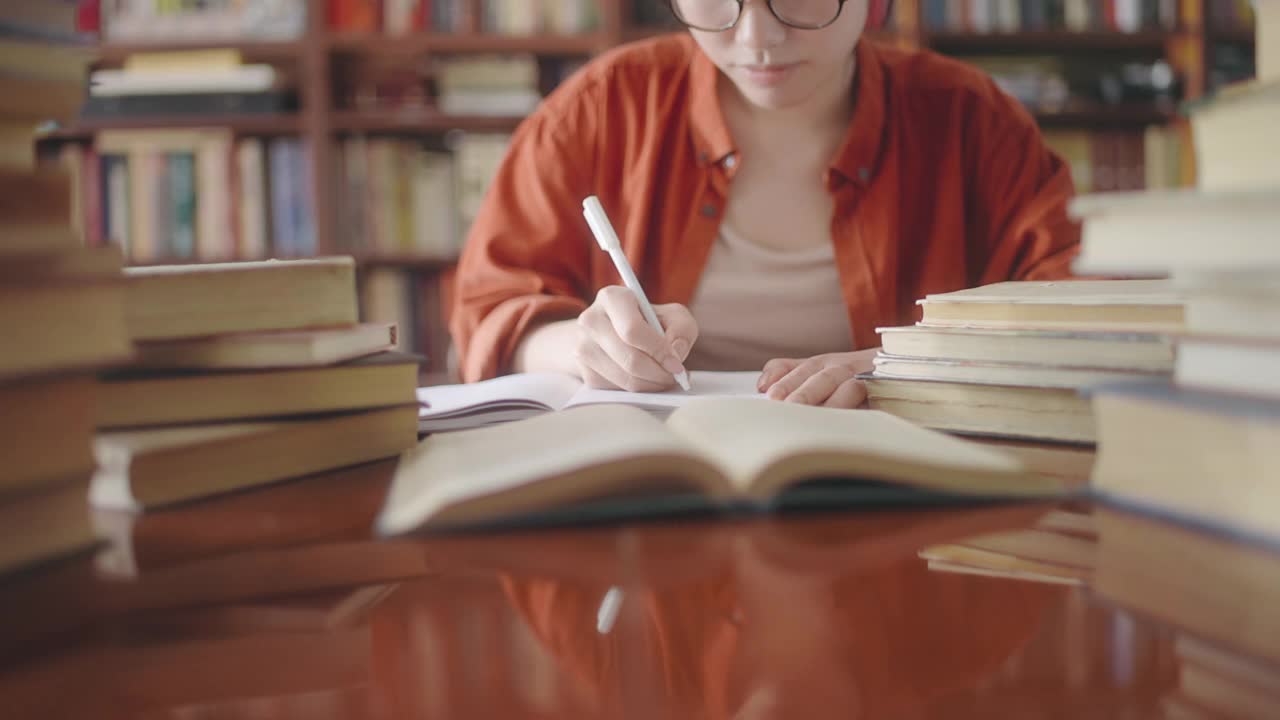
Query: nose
757	28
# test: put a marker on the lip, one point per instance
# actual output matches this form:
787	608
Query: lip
768	75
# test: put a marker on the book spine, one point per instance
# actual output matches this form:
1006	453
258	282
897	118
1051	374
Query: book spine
179	179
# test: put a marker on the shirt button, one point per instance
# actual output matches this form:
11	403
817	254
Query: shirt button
709	211
730	160
703	158
864	174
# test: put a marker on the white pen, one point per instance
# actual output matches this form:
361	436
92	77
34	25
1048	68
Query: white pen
608	239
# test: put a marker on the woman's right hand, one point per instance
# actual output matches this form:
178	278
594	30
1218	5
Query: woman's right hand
618	349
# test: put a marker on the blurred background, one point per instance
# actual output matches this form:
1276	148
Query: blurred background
245	129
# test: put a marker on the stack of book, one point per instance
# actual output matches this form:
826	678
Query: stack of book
1008	360
1203	448
61	305
247	373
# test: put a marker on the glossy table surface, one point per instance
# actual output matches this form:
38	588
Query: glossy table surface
279	604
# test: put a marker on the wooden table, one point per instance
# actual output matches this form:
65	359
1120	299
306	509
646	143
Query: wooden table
278	604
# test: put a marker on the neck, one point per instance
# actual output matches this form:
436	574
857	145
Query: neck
826	112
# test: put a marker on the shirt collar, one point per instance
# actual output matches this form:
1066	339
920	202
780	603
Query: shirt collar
857	157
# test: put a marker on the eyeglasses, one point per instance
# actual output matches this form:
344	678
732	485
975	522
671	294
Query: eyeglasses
719	15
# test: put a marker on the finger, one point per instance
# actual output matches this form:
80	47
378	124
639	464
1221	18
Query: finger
850	394
600	332
681	328
793	379
593	358
774	370
633	330
820	385
593	379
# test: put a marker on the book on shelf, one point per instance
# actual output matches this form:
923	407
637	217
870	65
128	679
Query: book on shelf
50	21
525	395
226	20
601	461
1012	16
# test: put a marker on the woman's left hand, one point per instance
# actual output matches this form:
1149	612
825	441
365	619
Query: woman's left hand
826	380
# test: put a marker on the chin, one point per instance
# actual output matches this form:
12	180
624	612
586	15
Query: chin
776	98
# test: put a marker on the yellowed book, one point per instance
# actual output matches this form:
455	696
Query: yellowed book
1134	305
184	301
184	60
133	399
50	325
147	468
17	146
722	450
249	350
45	525
46	432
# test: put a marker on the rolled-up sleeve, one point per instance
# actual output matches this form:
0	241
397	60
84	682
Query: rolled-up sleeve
1022	191
526	258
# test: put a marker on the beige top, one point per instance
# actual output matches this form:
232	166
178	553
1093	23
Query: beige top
754	304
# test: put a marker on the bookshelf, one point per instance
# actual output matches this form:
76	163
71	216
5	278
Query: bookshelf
322	60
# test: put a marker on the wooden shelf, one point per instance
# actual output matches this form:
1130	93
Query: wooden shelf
1047	41
423	43
1102	116
417	120
247	124
252	50
1236	36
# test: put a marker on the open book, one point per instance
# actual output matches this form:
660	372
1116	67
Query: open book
516	397
615	460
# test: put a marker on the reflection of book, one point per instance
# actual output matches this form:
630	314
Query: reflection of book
1226	683
515	397
1217	589
711	451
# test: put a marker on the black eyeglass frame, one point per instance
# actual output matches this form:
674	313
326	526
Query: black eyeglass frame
671	5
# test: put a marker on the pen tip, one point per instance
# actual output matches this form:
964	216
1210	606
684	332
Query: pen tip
682	378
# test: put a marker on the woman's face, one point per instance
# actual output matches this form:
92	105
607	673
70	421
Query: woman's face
776	66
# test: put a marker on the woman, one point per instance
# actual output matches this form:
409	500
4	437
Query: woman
781	188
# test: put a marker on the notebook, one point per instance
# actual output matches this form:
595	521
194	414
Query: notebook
520	396
605	461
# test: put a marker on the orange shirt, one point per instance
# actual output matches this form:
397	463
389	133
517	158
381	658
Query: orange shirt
943	182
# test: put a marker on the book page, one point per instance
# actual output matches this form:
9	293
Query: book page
543	463
765	445
702	384
542	391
